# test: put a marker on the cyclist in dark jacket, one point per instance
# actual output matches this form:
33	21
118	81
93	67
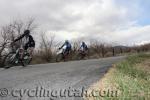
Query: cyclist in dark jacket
29	41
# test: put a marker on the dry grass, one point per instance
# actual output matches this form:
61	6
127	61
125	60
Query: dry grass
130	78
144	66
105	84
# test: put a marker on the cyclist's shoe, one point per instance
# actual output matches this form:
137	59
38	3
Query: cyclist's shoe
16	62
26	57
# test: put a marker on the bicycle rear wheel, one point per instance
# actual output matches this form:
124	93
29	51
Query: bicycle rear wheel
26	60
59	57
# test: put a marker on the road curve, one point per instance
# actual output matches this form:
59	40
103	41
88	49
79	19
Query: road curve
50	81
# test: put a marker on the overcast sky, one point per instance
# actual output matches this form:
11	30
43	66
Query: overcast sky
118	21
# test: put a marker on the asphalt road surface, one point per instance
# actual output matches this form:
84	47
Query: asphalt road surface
55	81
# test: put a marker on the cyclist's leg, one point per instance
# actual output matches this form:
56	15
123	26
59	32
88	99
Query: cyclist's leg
26	47
67	50
30	51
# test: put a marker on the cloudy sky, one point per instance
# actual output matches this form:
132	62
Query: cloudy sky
119	21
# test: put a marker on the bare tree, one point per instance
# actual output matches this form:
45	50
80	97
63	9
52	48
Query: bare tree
47	46
76	45
98	48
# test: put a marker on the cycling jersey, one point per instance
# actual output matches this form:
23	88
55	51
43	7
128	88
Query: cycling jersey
29	41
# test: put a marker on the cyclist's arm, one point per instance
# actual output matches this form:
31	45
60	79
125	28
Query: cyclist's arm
19	38
62	46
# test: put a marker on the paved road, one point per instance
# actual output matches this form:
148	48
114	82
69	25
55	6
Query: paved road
50	81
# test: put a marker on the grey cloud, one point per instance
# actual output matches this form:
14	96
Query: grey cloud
97	19
57	14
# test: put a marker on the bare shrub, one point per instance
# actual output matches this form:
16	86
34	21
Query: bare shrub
47	47
98	48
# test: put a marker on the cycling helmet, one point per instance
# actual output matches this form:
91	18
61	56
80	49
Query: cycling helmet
27	32
66	41
83	43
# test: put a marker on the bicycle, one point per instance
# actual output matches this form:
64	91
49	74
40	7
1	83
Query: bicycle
18	57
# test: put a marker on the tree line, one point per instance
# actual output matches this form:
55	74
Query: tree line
46	51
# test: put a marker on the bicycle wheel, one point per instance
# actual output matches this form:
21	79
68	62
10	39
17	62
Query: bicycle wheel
26	60
9	60
59	57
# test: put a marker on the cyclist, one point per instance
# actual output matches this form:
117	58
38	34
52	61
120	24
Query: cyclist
83	47
29	41
67	46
